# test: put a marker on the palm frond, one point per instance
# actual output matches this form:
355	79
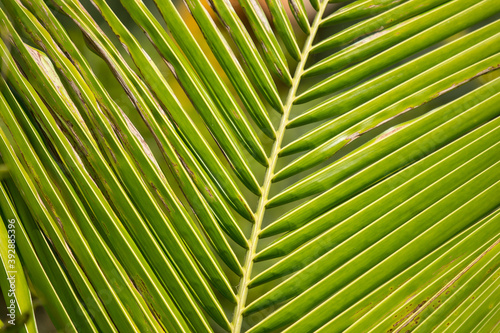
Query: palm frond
367	201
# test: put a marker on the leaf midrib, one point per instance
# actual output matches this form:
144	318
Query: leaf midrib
266	187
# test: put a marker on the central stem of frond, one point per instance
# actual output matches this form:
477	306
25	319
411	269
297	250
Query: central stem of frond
266	187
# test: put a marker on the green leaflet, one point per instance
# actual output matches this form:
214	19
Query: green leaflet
352	98
216	88
50	226
445	127
387	38
390	17
272	52
295	310
397	189
258	70
425	281
162	127
75	164
367	229
436	33
111	270
284	27
227	59
299	11
147	206
114	233
14	284
332	135
359	9
47	276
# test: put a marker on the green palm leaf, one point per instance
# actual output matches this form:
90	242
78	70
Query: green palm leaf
155	189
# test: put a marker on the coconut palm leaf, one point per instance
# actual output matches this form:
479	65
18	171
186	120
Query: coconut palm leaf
251	166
